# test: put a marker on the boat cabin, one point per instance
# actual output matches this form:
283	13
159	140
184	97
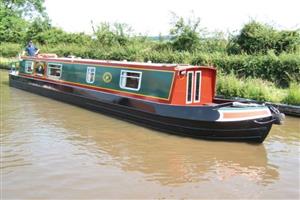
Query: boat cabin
163	83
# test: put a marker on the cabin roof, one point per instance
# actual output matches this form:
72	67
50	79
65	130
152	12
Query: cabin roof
177	67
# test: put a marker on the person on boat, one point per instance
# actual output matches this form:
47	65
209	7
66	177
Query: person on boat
31	50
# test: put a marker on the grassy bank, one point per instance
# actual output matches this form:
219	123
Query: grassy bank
5	62
229	85
293	95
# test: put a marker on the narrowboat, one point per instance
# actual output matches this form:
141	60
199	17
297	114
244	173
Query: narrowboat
172	98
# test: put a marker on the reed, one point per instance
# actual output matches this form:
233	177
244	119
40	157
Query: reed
293	94
230	86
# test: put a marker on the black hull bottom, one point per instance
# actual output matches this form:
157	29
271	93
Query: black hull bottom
247	131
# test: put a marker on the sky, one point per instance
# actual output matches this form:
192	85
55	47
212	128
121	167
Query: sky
152	17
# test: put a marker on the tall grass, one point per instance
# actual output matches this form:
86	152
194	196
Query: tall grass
229	85
5	62
251	88
293	95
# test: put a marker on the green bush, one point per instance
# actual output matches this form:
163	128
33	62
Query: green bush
280	69
6	62
55	36
257	38
10	49
64	50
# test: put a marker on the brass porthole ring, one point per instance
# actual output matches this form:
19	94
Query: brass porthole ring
107	77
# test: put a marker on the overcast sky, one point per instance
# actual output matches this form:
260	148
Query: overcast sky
153	16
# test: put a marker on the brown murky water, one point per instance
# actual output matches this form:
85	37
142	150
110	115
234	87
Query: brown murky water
50	149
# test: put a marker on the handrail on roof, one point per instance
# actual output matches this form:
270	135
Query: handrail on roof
73	58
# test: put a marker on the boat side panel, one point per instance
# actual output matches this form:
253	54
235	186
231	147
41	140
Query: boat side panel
204	113
148	115
195	113
154	83
208	83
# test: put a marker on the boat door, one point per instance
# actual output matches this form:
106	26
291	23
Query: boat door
193	87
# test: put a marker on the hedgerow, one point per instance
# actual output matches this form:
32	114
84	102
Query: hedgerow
281	69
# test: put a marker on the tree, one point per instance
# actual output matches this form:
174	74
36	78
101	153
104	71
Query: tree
13	14
12	26
54	35
108	35
260	38
185	35
25	8
257	38
38	26
288	41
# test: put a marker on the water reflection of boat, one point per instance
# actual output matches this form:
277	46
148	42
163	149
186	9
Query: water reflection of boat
173	162
163	158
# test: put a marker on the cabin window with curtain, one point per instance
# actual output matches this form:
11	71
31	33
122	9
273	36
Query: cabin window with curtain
54	70
90	74
130	80
29	67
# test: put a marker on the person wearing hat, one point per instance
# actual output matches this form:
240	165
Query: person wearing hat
31	50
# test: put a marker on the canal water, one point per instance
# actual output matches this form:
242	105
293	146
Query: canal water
50	149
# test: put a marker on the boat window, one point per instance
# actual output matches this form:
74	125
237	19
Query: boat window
39	69
29	67
54	70
130	80
90	74
197	86
189	87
